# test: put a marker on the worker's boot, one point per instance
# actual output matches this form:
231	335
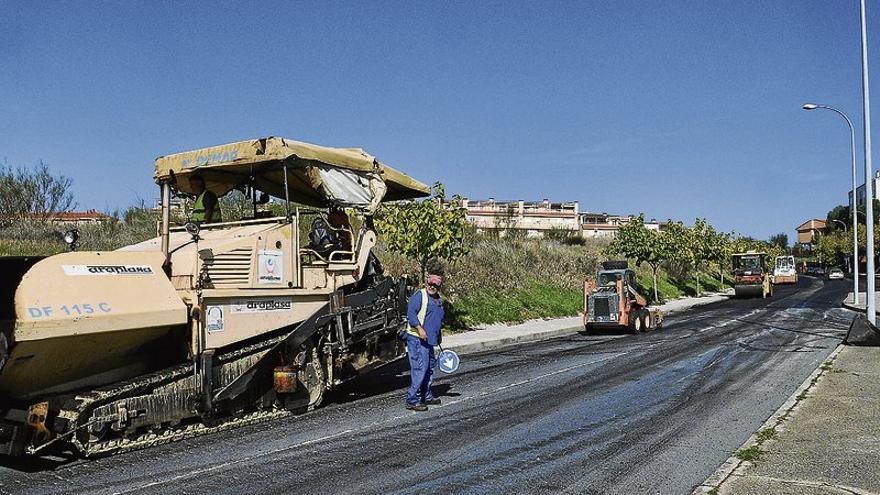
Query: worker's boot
416	407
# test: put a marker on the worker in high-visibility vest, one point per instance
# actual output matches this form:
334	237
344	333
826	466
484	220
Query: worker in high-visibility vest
206	208
425	317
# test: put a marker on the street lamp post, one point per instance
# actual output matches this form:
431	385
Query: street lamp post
852	142
870	305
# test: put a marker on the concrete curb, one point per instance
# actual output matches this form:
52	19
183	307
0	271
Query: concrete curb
488	345
851	307
733	463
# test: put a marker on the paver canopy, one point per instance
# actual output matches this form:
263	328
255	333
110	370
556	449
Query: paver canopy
316	175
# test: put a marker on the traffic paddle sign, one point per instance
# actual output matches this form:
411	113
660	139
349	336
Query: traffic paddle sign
447	361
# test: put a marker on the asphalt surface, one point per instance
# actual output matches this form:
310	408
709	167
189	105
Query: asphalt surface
601	413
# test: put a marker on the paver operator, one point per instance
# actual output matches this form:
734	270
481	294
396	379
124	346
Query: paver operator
206	208
425	317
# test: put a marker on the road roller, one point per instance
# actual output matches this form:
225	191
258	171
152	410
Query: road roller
207	326
751	277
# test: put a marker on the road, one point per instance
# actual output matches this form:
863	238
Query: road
606	413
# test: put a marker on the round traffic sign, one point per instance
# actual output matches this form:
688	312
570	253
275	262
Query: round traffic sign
448	361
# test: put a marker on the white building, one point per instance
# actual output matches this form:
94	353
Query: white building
860	191
604	225
535	218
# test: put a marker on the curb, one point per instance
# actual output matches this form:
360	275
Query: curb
489	345
851	307
733	463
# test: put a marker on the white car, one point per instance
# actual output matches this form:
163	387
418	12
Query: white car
835	274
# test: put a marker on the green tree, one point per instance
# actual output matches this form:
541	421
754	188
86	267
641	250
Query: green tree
838	213
635	241
678	242
780	240
833	248
424	230
720	249
700	240
33	192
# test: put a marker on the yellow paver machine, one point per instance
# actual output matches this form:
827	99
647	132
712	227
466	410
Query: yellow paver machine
205	326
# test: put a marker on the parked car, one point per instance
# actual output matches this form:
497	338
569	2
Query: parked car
835	274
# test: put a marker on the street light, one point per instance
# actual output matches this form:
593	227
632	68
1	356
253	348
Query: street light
852	141
870	299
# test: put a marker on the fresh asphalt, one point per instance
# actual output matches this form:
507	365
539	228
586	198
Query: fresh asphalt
602	413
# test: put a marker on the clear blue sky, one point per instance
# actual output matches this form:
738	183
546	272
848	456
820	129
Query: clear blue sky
676	109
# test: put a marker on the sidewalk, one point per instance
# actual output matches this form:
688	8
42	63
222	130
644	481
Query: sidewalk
825	439
848	302
493	336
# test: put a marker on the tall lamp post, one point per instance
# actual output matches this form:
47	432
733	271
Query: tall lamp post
852	141
869	189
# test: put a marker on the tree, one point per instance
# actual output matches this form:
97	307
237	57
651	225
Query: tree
839	213
780	239
637	242
425	230
701	239
677	241
720	249
833	248
37	193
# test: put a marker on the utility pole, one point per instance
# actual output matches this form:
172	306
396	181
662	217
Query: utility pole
869	186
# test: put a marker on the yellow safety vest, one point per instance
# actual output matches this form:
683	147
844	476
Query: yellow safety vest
199	210
423	310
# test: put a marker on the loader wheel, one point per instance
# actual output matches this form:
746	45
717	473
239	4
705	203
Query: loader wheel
635	322
647	320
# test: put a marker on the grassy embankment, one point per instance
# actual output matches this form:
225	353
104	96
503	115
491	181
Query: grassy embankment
512	281
499	280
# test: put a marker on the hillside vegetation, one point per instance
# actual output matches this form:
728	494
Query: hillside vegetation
512	280
489	278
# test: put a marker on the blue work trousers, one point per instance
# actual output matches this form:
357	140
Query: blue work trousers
421	363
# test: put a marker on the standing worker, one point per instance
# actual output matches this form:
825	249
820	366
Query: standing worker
425	317
206	208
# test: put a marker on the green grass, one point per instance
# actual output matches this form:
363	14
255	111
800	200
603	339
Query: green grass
516	305
669	287
766	434
666	287
750	454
